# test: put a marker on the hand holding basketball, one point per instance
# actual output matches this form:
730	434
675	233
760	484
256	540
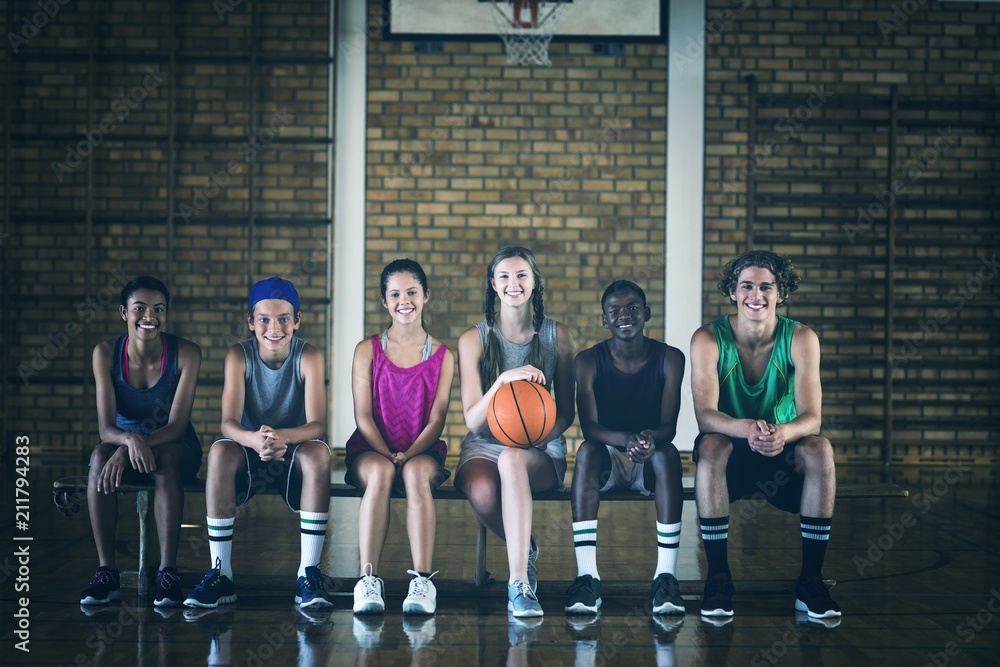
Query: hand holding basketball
521	414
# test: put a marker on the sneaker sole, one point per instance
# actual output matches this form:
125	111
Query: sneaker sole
668	608
717	612
524	613
802	606
167	602
225	599
417	608
315	603
581	608
370	609
90	599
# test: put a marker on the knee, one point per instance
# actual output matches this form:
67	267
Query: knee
417	476
380	472
714	450
225	455
587	454
314	456
512	460
484	499
666	457
816	454
100	456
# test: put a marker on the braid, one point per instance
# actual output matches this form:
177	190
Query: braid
535	357
489	365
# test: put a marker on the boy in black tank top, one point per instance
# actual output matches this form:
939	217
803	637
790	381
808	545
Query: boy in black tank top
628	397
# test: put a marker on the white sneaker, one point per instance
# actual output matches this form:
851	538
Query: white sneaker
368	594
422	595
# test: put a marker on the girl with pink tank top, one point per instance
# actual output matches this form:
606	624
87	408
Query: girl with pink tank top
402	386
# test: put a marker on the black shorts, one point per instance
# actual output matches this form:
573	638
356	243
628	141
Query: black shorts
753	475
278	476
190	464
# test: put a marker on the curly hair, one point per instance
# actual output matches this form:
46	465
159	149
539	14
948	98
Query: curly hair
489	365
143	282
780	266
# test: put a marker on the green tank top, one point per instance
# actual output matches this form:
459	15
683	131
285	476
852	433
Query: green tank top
772	398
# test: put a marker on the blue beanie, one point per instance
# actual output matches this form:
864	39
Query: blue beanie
273	288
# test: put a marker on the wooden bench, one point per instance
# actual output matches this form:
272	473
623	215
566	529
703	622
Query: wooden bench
71	492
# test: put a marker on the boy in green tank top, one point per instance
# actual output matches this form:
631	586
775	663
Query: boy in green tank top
758	401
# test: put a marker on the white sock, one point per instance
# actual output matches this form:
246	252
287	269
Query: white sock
585	544
220	543
668	540
312	526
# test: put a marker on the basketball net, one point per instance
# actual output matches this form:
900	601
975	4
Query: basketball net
527	27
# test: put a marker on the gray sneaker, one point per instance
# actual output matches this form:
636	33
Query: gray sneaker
532	565
521	600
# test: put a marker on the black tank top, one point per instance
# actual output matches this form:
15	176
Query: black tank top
629	402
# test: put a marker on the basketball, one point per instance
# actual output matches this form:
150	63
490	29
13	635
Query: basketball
521	414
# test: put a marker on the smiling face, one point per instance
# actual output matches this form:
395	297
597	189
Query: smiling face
513	281
756	294
146	313
625	315
273	323
404	297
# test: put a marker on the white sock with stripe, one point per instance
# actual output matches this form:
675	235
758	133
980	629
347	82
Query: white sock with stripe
220	543
312	526
585	544
668	540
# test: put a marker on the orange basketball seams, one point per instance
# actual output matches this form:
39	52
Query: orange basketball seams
521	414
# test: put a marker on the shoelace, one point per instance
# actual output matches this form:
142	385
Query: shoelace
370	587
524	588
420	583
578	585
212	577
102	577
168	579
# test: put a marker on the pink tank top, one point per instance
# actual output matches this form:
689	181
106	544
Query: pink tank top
402	399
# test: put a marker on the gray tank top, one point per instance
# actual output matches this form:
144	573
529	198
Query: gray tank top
515	355
273	397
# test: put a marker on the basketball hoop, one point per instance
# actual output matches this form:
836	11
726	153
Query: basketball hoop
527	27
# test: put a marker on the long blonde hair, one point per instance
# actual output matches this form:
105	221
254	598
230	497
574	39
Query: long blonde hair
490	364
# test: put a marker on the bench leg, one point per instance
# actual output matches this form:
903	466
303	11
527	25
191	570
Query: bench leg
480	555
144	507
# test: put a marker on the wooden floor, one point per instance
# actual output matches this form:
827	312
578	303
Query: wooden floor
918	592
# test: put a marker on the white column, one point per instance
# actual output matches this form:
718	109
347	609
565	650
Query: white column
349	212
685	193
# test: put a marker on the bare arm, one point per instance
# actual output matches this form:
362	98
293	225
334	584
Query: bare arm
189	363
431	432
585	371
808	391
705	388
361	388
233	395
670	407
565	388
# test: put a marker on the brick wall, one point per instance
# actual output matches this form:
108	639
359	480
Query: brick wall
232	117
466	154
825	78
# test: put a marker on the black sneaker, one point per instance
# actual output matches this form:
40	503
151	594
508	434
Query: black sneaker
718	598
168	588
215	589
813	597
584	595
665	595
104	587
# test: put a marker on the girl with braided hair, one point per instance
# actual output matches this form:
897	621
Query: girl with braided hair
515	341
